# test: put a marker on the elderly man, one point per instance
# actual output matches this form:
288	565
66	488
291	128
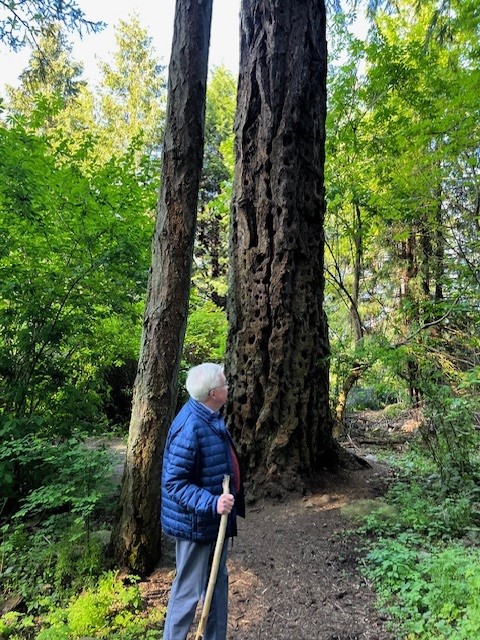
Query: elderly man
198	453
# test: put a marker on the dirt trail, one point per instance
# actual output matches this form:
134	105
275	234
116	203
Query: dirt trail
294	574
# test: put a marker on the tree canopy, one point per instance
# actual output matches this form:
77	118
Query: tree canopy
21	21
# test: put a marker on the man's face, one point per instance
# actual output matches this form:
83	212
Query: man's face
218	395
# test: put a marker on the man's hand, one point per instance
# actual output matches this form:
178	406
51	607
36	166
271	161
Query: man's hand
225	504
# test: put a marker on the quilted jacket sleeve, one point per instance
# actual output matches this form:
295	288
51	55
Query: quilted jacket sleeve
180	473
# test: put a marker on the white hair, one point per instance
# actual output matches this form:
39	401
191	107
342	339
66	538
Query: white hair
203	378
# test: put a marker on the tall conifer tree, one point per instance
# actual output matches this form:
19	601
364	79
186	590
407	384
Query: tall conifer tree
278	343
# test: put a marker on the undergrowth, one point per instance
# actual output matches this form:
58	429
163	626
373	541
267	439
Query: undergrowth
56	578
424	554
113	608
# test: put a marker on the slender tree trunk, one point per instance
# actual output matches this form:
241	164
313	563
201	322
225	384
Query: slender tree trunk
357	368
439	265
278	347
136	537
408	297
357	272
341	404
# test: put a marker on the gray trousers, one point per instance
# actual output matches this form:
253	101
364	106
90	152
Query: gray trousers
193	560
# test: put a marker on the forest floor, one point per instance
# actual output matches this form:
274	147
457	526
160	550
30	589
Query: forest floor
295	568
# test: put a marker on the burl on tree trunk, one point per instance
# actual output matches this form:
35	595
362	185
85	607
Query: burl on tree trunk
278	348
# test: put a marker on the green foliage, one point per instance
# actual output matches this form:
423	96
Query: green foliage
12	476
44	563
131	98
211	244
448	430
22	21
74	260
430	595
16	626
111	608
80	176
59	489
55	544
205	338
429	509
206	335
361	398
50	72
401	177
69	476
423	554
219	116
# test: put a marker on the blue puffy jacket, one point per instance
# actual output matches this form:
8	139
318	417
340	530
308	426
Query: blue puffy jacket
197	456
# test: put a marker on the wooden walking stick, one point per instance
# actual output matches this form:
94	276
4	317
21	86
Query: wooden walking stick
215	564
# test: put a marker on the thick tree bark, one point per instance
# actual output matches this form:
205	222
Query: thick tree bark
277	361
136	537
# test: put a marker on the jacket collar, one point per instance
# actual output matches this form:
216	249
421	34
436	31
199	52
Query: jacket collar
204	412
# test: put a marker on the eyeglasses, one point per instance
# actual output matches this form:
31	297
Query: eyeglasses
223	386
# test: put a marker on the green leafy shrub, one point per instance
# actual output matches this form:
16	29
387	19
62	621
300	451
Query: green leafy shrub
15	477
373	398
206	334
395	561
111	609
49	546
45	477
448	432
43	564
422	559
430	594
16	626
423	508
74	260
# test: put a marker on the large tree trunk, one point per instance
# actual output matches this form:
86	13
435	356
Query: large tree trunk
277	360
136	537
